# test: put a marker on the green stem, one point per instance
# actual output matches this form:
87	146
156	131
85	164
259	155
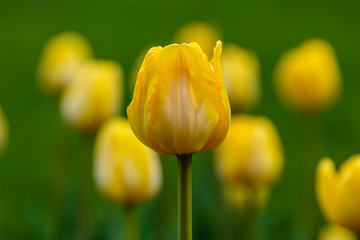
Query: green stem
251	230
131	223
184	197
85	174
314	143
245	219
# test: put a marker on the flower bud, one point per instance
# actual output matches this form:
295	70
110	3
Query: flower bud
251	153
308	78
241	75
62	56
335	232
202	33
180	104
338	193
125	170
3	130
93	95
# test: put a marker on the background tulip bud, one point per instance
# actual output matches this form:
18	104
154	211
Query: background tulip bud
308	77
61	57
125	170
335	232
241	75
93	95
3	130
202	33
180	104
251	153
338	194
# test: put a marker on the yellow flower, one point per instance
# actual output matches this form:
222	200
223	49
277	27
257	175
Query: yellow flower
335	232
241	75
251	153
125	170
338	194
308	77
180	104
61	57
93	95
202	33
3	130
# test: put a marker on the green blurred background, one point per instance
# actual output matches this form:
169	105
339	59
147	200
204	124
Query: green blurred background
39	182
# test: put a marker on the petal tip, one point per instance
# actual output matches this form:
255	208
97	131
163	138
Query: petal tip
326	164
217	51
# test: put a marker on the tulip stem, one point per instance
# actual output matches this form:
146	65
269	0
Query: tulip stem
131	223
184	197
85	204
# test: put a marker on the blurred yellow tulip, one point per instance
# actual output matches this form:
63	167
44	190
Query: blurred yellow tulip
202	33
308	77
125	170
93	95
180	104
335	232
251	153
3	130
338	194
62	56
241	75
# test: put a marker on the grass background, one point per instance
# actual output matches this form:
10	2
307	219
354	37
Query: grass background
39	183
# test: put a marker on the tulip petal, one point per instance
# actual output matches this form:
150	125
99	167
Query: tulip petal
3	130
327	189
349	202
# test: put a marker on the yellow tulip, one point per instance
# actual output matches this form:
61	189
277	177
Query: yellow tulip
202	33
251	153
61	57
335	232
125	170
180	104
308	77
241	75
93	95
338	194
3	130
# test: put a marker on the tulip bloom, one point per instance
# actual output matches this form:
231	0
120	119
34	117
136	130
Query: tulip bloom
308	77
338	193
125	170
180	104
202	33
93	95
3	130
335	232
251	153
61	57
241	75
